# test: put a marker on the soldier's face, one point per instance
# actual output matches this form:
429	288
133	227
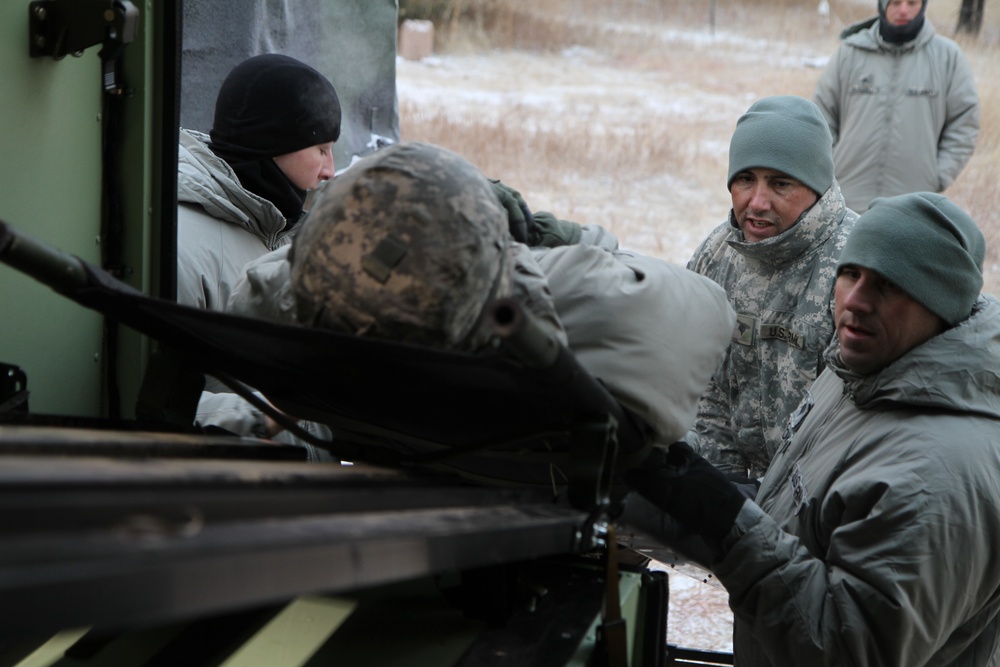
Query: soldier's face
307	167
767	202
877	322
901	12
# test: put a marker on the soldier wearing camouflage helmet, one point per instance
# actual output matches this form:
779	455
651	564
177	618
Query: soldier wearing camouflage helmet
776	257
412	244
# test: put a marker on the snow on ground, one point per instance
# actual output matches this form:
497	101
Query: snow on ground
699	616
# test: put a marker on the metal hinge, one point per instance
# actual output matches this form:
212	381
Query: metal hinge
57	28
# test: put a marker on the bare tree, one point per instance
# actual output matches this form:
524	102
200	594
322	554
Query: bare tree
970	17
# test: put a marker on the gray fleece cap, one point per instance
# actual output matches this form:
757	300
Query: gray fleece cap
786	133
925	244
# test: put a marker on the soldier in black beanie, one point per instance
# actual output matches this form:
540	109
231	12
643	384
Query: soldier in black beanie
242	188
276	120
269	107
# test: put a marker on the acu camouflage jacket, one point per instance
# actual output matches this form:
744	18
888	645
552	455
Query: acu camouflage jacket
782	292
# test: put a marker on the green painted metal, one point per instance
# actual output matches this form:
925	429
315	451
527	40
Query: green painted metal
50	139
629	592
51	120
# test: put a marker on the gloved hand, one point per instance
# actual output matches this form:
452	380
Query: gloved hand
749	489
746	485
519	218
690	489
551	232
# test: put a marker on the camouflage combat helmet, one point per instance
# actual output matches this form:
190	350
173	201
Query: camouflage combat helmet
409	244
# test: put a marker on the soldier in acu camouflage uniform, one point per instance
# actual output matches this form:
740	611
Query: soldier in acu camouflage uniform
776	257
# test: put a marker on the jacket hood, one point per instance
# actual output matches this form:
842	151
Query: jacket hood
865	35
812	229
206	180
962	362
858	26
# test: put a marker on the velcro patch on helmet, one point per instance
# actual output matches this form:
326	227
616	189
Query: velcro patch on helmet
380	262
408	244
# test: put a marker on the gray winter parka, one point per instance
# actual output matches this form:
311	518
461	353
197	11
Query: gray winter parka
875	539
221	226
782	292
904	118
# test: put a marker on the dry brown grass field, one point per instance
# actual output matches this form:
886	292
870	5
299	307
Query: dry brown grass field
620	113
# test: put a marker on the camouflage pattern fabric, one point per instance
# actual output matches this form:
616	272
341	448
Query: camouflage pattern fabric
782	292
410	244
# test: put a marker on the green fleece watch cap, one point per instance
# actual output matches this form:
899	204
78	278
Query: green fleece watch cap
925	244
786	133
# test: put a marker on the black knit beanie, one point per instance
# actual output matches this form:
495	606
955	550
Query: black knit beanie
271	105
899	34
925	244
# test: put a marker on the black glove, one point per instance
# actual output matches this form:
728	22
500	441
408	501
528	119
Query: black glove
690	489
744	483
519	218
